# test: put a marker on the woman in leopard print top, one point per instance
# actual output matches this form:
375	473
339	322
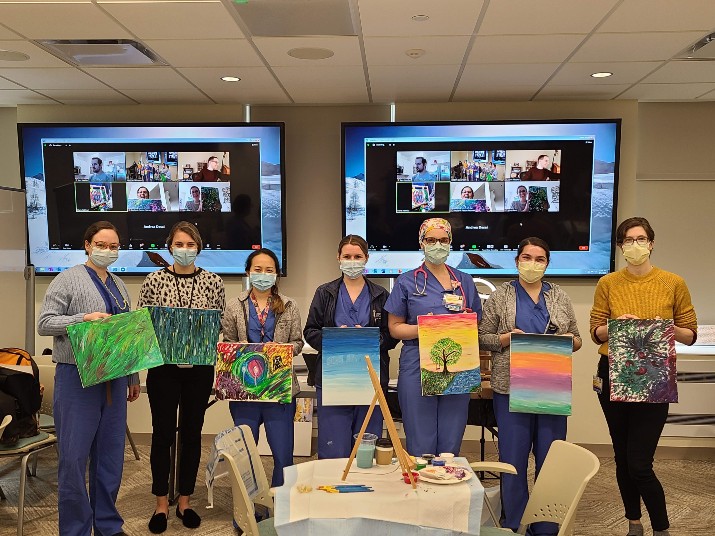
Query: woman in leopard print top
183	387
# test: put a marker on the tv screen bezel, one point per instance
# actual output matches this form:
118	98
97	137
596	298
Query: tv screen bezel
481	273
281	126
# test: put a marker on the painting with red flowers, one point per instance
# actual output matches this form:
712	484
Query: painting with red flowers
641	356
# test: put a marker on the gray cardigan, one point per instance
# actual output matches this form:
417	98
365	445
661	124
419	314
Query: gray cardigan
70	296
288	329
499	316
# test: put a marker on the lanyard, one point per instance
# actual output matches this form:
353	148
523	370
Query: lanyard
262	314
178	290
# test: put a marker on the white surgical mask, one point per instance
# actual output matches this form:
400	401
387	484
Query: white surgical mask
636	254
184	256
531	271
352	269
436	253
262	281
103	257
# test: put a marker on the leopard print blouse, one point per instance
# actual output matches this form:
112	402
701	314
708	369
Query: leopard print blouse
200	290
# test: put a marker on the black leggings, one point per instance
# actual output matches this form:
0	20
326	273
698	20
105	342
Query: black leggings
188	389
635	429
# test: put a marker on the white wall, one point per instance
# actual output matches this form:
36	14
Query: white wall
670	139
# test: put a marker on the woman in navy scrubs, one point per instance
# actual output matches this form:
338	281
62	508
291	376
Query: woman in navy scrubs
433	424
261	314
349	301
526	305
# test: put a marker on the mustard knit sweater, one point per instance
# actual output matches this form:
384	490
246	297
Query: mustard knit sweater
656	294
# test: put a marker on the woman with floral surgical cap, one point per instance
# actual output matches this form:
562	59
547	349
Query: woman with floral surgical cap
433	424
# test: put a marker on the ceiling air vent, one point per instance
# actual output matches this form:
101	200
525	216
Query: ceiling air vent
703	50
290	18
102	52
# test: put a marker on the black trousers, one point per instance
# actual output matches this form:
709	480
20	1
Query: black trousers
187	389
635	429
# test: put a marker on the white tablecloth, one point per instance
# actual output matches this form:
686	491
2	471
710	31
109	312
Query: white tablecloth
393	508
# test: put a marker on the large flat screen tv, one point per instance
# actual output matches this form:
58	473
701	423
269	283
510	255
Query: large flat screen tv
496	183
228	179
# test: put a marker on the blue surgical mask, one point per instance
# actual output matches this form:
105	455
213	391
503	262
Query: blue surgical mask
436	253
262	281
103	257
352	269
184	256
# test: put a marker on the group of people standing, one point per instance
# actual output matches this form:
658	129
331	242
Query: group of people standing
91	429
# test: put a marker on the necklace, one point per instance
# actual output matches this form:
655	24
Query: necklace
124	300
178	290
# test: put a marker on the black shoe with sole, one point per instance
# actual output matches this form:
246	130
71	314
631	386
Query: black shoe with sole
189	518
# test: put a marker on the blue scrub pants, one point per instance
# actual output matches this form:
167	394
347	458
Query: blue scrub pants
338	424
519	434
278	421
89	428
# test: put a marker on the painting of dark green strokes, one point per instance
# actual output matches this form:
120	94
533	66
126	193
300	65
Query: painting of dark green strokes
187	336
114	347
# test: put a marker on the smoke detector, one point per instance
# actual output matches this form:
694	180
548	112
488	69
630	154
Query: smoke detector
415	53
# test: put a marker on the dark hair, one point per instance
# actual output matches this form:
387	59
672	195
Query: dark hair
194	186
541	156
424	160
147	189
95	228
97	159
467	186
521	186
277	304
188	228
630	223
354	240
534	241
212	158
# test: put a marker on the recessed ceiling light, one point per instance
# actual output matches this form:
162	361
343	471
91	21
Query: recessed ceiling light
601	75
420	18
230	79
310	53
11	55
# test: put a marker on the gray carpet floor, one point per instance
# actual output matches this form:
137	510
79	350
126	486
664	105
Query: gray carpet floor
689	485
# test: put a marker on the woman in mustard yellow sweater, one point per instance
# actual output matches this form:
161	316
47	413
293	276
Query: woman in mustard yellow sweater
638	291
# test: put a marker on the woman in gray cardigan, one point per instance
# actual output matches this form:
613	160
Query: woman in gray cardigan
90	421
258	315
525	305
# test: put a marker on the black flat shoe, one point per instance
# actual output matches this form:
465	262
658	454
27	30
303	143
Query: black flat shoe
189	518
157	523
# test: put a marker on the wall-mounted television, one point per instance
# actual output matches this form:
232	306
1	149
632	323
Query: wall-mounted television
496	182
228	179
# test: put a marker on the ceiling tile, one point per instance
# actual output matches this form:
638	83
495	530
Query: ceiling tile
155	78
206	52
7	33
523	48
275	50
438	50
6	84
646	46
56	78
87	96
412	83
257	85
60	21
665	92
176	20
495	93
38	57
499	75
517	17
331	84
661	16
623	73
394	18
683	72
13	97
582	92
167	96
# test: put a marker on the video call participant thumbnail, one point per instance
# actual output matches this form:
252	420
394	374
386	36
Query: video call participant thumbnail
210	173
98	173
541	171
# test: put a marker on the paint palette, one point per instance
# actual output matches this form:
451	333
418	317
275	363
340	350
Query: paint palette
448	474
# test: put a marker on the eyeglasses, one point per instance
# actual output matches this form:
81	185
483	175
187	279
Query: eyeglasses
102	245
641	241
431	241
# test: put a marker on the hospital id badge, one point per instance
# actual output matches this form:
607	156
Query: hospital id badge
453	302
597	384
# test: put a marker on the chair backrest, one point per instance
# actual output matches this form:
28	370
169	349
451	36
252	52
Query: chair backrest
263	496
6	420
562	480
244	512
47	379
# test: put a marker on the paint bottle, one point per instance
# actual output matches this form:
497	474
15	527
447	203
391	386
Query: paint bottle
428	458
438	462
383	451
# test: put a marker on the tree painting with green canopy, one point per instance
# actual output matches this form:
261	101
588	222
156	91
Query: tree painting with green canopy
445	352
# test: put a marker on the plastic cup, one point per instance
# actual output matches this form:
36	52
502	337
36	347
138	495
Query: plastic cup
406	477
384	452
366	450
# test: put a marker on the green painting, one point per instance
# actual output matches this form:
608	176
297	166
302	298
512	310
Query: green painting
114	347
187	336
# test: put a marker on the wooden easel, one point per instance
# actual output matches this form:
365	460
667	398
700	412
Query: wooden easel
402	456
